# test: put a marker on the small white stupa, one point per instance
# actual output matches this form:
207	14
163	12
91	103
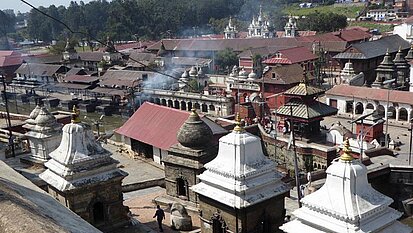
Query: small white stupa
346	203
242	178
83	176
44	134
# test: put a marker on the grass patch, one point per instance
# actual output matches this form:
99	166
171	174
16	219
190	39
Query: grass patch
371	25
350	11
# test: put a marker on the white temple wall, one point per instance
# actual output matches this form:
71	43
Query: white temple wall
158	154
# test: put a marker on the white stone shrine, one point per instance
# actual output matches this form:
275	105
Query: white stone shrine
241	178
83	176
346	203
44	134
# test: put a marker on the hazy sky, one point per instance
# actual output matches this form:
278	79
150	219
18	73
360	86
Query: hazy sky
17	5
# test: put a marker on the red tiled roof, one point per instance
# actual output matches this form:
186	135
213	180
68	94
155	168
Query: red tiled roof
395	96
10	58
292	56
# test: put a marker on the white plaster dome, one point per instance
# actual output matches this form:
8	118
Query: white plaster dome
185	74
193	71
252	76
243	74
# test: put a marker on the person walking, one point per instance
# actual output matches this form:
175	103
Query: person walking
160	215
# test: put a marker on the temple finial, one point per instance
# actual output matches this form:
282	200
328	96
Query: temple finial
346	155
75	115
238	127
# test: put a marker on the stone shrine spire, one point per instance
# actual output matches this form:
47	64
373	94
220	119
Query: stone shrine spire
82	175
346	203
242	178
44	134
230	31
385	71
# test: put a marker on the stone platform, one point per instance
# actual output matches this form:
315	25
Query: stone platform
166	200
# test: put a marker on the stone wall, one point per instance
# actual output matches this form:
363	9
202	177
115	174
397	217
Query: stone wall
266	216
172	173
81	201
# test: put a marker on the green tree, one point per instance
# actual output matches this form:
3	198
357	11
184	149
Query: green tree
226	59
323	22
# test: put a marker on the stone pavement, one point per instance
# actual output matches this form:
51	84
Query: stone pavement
143	208
142	172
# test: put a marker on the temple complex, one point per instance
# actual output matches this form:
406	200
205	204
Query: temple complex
260	27
185	160
290	28
240	191
230	31
83	177
346	203
44	134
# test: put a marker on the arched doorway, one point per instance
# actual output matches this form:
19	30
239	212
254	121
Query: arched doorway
157	101
218	224
391	112
176	104
170	103
402	114
204	108
359	108
189	106
197	106
181	187
183	105
381	110
163	102
98	212
212	108
370	106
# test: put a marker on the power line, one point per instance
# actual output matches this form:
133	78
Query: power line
105	44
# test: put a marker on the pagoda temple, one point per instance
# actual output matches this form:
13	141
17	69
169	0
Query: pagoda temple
303	109
83	176
346	203
385	71
240	191
186	159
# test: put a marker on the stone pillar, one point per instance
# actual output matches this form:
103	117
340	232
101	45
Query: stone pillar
409	114
397	113
354	108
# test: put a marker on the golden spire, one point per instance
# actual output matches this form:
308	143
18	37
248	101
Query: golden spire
346	155
238	127
75	115
193	112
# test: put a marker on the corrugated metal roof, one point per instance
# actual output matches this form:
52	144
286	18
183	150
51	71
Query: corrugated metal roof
306	111
38	69
158	125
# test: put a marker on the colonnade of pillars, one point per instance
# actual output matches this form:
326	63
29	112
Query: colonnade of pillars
397	112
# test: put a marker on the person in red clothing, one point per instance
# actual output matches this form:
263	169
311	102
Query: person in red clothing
160	215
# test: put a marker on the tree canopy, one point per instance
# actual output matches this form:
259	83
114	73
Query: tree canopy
323	22
226	59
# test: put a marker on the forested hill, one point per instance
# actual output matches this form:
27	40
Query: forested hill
148	19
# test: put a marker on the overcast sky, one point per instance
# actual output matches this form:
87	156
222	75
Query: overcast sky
17	5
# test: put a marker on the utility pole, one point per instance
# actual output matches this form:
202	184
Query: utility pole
410	141
11	144
297	181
